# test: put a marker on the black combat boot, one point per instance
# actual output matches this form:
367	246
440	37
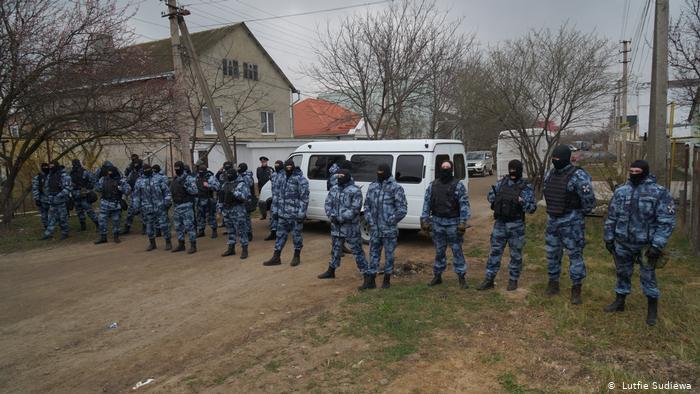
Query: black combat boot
275	260
244	252
386	283
437	280
231	250
151	244
371	283
116	238
180	247
486	284
193	247
512	285
365	283
102	240
652	306
214	234
83	226
168	244
272	236
200	233
462	281
329	274
296	260
576	294
618	305
552	288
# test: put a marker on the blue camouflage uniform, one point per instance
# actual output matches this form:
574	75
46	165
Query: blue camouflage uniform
83	182
40	197
58	188
444	230
332	178
233	196
151	196
248	178
385	207
132	175
163	218
206	204
567	231
273	190
343	204
112	190
183	211
289	205
638	216
510	232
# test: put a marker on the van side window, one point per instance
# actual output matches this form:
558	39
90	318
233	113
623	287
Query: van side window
364	167
297	160
319	165
460	172
439	159
409	169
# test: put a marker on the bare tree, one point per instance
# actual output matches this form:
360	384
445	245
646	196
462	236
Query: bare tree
381	64
545	83
64	81
684	54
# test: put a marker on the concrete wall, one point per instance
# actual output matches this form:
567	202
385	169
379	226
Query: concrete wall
249	151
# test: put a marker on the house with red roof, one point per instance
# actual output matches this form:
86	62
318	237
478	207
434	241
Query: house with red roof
318	118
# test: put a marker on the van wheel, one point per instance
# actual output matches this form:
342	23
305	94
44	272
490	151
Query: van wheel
364	230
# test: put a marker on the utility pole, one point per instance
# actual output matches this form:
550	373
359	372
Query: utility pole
204	87
656	138
625	60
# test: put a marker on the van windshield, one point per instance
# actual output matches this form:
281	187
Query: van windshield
475	155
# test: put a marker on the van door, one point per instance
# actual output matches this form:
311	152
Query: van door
412	174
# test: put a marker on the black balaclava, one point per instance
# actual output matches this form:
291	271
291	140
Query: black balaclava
287	164
383	172
138	163
156	169
179	168
343	177
44	168
227	165
111	170
636	179
54	166
187	169
444	173
515	169
563	153
242	168
76	163
279	165
147	170
231	175
202	170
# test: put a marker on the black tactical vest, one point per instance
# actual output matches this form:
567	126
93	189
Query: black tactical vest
179	191
133	177
110	189
78	179
506	205
559	200
42	179
226	197
55	182
203	192
442	199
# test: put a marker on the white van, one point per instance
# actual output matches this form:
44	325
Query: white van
414	164
507	149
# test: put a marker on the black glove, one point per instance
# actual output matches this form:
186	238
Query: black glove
425	225
37	203
461	228
275	216
610	246
653	253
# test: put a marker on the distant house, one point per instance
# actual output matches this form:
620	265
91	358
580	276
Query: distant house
317	118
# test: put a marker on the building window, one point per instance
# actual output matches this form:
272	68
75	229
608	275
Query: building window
250	71
230	68
207	123
267	119
409	169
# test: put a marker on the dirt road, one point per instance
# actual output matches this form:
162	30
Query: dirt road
175	313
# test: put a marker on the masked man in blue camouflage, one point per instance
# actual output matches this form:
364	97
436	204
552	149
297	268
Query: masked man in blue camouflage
163	227
278	171
289	206
641	218
233	196
207	184
39	194
112	187
132	173
150	197
511	198
183	190
568	192
247	176
445	214
83	195
343	205
57	186
385	207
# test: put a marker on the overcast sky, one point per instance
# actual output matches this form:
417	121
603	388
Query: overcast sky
288	40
